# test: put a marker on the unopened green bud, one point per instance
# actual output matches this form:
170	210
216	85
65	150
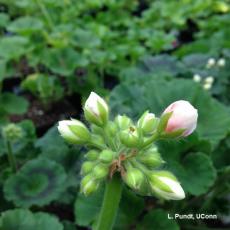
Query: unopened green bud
111	129
89	185
147	123
92	155
106	156
87	167
96	129
130	137
74	131
100	171
151	158
12	132
97	139
134	178
165	185
96	110
123	122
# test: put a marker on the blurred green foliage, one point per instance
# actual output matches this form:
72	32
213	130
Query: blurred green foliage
54	49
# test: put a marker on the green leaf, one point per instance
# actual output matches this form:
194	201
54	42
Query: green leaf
45	221
2	69
13	104
22	219
196	61
85	39
199	46
17	219
60	35
127	216
24	147
52	145
195	172
161	64
63	61
46	87
87	208
4	19
26	25
175	150
157	219
13	47
69	225
221	156
38	182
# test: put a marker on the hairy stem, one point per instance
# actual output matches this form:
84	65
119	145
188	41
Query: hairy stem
11	157
110	204
154	137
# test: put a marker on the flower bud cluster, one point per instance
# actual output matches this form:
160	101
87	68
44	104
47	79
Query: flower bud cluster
12	132
95	169
127	147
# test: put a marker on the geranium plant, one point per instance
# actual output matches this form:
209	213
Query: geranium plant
123	151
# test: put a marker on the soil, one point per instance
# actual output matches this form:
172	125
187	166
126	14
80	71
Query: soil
44	117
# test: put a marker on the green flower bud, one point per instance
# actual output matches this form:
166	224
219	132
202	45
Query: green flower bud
165	185
96	110
111	129
12	132
100	171
74	131
92	155
130	137
106	156
87	167
123	122
134	178
97	130
151	158
89	185
147	123
98	140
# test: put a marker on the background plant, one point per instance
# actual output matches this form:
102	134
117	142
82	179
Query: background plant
151	56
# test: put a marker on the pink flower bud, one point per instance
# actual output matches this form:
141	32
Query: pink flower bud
184	116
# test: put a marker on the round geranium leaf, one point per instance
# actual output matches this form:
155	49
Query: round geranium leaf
17	219
22	219
196	173
47	222
26	25
157	219
39	182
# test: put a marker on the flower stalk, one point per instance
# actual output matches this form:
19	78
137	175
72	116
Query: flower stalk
110	204
11	158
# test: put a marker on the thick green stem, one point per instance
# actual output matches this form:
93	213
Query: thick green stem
110	204
11	157
109	139
150	140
